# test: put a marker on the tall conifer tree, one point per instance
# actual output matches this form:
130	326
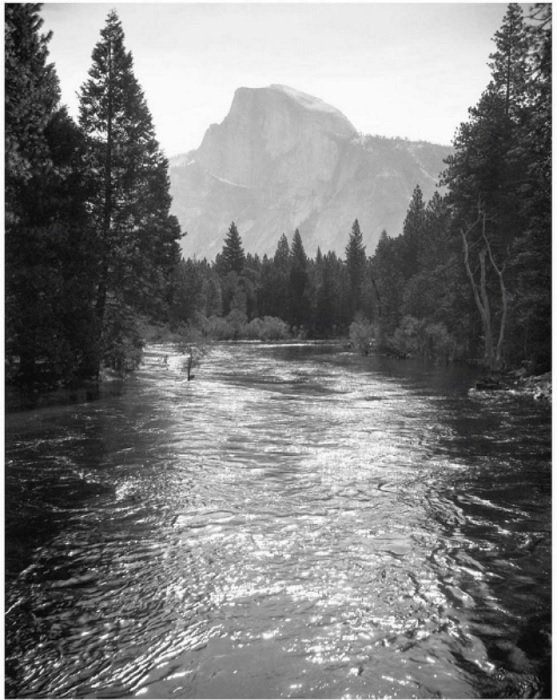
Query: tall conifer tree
531	265
31	97
279	295
232	257
282	254
327	306
299	281
490	181
356	266
137	235
413	232
50	331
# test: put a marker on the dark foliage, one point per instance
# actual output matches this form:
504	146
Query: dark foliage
87	210
50	250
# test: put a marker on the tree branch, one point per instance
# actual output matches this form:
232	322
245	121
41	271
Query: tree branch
503	289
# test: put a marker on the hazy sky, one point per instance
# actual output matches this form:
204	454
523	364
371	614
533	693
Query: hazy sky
393	69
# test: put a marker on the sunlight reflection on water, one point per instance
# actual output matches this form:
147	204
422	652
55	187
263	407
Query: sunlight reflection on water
294	522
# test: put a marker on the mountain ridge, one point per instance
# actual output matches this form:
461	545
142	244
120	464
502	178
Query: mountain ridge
282	159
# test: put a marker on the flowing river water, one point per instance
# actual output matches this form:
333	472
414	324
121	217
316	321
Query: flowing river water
297	521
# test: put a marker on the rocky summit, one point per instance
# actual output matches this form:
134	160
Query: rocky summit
281	160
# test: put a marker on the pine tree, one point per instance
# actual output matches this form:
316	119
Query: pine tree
488	179
327	307
413	232
531	263
50	329
232	258
356	266
429	294
509	63
279	279
131	202
299	281
31	98
282	254
388	282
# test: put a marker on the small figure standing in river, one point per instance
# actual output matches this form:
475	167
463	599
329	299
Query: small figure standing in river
194	356
190	365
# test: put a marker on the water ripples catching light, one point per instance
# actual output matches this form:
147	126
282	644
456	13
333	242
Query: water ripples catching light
295	522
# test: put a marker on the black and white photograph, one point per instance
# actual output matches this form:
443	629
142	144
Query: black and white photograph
277	350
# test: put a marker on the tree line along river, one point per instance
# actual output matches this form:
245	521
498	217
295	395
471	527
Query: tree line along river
297	521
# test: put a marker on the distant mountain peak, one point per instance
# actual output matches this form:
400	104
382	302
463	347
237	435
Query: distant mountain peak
283	100
282	159
307	101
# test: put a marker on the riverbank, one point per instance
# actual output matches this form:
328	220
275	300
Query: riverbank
110	381
537	386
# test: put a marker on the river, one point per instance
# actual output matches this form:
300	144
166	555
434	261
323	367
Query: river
297	521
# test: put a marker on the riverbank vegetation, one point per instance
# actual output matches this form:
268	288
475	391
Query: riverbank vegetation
93	257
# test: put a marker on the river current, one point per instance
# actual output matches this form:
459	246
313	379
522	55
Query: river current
297	521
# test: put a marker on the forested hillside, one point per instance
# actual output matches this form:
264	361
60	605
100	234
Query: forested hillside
91	247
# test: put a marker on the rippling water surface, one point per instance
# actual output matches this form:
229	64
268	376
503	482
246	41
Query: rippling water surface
295	522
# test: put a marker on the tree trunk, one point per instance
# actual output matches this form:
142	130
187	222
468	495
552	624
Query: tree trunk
504	301
379	314
489	346
493	353
482	300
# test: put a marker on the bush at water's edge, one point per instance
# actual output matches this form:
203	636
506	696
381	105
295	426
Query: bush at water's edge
235	326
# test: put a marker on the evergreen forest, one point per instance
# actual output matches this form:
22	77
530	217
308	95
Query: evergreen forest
93	258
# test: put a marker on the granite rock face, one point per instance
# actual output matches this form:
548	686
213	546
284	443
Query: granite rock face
282	160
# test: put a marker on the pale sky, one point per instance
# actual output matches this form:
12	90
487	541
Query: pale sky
393	69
